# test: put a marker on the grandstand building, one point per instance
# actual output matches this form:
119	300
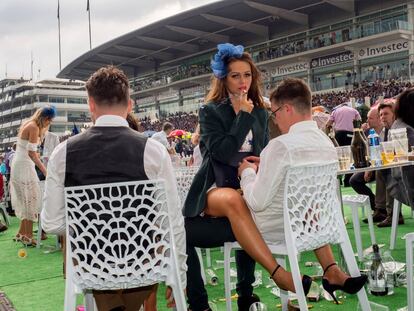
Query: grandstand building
332	44
20	98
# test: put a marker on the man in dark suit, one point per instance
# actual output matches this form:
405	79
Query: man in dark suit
111	152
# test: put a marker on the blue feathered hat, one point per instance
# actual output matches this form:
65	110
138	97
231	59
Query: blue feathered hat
219	62
48	112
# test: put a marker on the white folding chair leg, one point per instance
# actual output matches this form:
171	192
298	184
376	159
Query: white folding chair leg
395	215
208	258
39	233
409	243
297	280
89	301
227	289
70	291
284	295
354	271
200	259
371	228
357	231
5	214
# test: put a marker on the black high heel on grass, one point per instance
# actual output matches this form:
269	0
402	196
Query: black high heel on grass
306	281
352	285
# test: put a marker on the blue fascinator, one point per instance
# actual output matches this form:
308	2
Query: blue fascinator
48	112
219	62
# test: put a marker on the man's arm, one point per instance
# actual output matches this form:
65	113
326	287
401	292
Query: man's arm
259	189
53	211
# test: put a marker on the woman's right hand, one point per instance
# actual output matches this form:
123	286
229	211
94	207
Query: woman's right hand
246	104
242	101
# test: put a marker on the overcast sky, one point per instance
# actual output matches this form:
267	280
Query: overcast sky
31	27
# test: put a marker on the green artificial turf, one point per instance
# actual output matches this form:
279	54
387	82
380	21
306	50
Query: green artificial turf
35	283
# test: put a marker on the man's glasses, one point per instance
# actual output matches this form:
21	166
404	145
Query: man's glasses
273	112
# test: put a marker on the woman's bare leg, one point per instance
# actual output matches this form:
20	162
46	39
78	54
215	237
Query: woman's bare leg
325	258
227	202
150	303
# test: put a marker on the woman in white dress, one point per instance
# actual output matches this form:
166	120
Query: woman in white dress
24	183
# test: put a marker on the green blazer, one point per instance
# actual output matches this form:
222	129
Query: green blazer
222	135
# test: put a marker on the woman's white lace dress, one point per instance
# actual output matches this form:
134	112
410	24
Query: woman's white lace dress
24	183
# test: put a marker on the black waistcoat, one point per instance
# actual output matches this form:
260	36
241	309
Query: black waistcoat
105	155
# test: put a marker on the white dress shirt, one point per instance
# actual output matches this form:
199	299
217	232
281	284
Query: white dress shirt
263	192
157	165
161	137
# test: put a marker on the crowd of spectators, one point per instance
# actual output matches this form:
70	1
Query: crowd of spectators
373	90
180	120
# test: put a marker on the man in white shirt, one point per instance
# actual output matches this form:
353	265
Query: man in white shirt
263	179
161	136
111	152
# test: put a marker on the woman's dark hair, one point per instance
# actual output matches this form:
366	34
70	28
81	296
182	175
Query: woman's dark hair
404	107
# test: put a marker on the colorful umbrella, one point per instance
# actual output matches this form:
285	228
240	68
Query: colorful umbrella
176	133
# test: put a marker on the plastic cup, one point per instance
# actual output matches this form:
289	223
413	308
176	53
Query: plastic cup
344	157
397	134
401	149
388	150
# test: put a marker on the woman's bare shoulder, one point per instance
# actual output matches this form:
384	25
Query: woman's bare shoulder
28	128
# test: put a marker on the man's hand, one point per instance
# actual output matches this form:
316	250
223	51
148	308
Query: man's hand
246	164
367	176
253	159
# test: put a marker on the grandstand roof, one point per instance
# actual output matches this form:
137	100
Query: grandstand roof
167	42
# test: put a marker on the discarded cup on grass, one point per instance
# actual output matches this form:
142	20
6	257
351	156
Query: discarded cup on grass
22	253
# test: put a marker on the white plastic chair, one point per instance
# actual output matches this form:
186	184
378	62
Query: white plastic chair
409	245
119	236
185	176
312	218
356	202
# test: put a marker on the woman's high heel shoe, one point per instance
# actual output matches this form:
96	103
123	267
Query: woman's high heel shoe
306	281
352	285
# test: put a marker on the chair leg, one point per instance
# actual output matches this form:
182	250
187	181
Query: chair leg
297	279
284	295
371	229
395	215
200	259
89	302
409	243
208	258
357	231
39	233
227	288
353	270
70	295
5	214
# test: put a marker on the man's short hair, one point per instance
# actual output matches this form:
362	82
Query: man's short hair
385	105
296	91
108	86
167	126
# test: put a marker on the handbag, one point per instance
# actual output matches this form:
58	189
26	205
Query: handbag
226	175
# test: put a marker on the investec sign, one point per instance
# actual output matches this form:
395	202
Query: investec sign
332	59
382	49
289	69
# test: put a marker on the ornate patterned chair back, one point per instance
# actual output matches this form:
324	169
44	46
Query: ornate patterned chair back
185	176
312	209
119	235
